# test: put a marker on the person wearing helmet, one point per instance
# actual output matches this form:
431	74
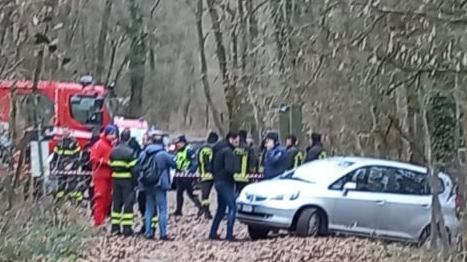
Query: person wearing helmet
122	161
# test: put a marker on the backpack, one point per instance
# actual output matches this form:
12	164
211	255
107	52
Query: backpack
150	173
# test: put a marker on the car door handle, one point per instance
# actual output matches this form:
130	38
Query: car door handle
426	205
380	202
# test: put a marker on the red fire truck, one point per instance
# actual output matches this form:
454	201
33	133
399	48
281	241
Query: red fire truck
81	107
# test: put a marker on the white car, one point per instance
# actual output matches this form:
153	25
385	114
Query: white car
350	195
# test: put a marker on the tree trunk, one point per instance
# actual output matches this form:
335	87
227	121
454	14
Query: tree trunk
137	58
230	90
402	112
204	69
101	43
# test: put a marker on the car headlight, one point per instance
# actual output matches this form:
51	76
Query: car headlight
287	197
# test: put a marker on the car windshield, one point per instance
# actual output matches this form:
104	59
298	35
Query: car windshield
82	107
315	171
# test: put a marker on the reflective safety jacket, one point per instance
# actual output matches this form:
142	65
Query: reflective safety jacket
294	158
205	154
246	163
185	158
122	160
66	152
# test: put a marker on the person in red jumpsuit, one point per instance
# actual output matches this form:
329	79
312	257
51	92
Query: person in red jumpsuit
102	174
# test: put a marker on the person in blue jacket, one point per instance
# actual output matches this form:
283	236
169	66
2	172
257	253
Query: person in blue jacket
275	159
156	195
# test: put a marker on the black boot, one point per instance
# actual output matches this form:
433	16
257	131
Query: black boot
115	229
201	211
127	231
207	213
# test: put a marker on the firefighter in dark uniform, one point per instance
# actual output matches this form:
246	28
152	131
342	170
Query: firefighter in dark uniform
86	165
186	163
246	162
122	160
205	170
294	156
66	158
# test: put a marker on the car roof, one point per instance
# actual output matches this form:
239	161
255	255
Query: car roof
363	161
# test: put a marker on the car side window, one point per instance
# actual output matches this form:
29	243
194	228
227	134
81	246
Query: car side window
369	179
412	183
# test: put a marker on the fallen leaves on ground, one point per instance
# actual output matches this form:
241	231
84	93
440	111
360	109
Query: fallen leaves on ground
191	245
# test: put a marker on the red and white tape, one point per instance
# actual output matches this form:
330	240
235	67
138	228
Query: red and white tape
197	175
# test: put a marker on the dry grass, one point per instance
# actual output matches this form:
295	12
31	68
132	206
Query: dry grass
42	231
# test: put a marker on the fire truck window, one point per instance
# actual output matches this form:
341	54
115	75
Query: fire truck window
81	108
44	110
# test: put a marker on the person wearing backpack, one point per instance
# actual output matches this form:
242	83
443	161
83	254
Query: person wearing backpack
186	163
122	161
153	168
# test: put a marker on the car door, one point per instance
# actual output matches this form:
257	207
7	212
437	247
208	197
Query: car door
358	211
409	205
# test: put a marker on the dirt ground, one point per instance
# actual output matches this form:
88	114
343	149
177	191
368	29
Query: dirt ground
191	245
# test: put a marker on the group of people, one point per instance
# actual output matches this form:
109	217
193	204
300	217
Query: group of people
124	173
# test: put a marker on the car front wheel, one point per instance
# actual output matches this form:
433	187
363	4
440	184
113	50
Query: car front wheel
309	223
257	233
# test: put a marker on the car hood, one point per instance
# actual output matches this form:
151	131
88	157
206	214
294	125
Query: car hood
271	188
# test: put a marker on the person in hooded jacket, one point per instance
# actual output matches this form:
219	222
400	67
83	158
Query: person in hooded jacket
102	174
294	155
156	195
205	156
275	157
316	150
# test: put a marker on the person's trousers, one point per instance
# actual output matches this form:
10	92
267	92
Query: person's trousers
183	185
123	199
206	187
102	200
239	186
156	199
225	199
142	209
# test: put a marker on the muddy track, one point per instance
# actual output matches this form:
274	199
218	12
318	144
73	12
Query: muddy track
191	245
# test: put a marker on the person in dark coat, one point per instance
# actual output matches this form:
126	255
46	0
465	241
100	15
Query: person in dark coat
275	158
316	150
223	171
294	155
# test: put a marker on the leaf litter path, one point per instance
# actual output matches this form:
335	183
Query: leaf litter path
191	245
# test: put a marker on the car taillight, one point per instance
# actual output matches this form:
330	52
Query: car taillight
458	204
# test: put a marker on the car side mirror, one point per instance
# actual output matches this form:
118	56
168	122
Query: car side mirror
349	186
